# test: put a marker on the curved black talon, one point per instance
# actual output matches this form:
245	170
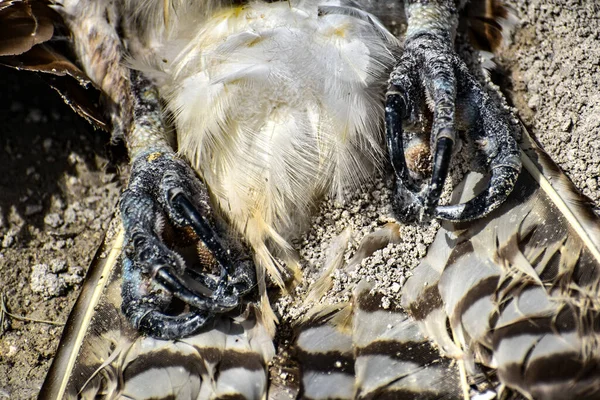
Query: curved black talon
395	112
214	303
441	165
501	183
145	310
409	202
236	279
167	327
203	229
405	202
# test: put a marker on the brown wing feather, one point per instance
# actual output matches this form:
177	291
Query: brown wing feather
488	23
26	30
24	25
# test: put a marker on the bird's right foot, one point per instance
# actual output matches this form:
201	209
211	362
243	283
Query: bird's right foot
166	207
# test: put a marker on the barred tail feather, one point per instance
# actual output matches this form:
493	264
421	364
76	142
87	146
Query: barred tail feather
393	359
520	288
363	351
421	296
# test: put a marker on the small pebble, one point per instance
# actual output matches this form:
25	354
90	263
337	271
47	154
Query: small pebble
53	220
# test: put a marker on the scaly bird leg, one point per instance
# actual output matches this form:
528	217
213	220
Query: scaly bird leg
429	70
163	193
162	185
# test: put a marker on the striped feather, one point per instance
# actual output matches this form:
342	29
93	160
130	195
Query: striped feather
488	23
362	351
520	288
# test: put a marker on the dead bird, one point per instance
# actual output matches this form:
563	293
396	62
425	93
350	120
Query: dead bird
274	104
271	120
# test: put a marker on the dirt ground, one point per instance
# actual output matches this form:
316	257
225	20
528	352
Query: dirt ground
58	192
60	181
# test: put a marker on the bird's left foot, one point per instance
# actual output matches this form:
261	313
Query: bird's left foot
430	72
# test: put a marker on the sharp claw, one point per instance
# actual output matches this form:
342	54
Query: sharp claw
144	309
218	302
204	231
441	164
440	73
406	203
227	287
409	204
500	186
395	112
167	327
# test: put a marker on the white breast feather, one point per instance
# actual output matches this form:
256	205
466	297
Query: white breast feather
275	106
